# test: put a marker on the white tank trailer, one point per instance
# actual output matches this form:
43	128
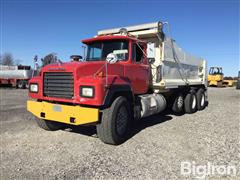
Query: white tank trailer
17	76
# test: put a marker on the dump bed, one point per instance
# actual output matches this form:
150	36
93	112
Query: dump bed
172	67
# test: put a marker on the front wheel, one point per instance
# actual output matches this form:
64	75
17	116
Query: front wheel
115	124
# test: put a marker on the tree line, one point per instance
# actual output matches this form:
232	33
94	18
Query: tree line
8	59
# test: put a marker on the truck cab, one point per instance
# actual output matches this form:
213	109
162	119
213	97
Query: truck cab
76	92
131	65
89	82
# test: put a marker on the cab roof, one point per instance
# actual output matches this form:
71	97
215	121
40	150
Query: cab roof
110	37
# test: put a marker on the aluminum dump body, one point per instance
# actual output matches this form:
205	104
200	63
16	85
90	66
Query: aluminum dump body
172	66
177	67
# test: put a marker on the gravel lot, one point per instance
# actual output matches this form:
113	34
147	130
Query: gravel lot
155	151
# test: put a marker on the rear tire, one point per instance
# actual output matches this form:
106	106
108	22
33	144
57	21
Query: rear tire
178	104
201	99
190	102
115	124
20	84
48	125
26	85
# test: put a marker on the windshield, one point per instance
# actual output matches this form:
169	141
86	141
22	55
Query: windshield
98	51
215	70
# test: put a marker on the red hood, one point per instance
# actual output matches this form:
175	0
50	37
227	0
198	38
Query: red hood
82	69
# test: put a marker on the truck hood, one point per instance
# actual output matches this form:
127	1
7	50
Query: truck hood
83	69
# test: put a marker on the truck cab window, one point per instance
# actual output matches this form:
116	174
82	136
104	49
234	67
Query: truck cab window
98	51
137	54
95	52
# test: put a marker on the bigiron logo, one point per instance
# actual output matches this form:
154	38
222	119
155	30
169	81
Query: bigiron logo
191	169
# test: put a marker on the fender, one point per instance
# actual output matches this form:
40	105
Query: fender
116	90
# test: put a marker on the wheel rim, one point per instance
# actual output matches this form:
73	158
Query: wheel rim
194	102
202	100
122	120
180	102
20	85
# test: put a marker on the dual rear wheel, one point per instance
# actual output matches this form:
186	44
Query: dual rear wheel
192	102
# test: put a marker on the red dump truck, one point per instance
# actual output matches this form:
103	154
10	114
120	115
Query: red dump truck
128	73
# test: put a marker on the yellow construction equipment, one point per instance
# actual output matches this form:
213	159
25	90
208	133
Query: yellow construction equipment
229	82
216	78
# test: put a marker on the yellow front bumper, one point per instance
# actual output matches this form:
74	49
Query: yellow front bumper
68	114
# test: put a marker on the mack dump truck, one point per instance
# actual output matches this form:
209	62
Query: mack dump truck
128	73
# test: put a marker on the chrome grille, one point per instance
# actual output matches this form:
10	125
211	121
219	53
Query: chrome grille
58	84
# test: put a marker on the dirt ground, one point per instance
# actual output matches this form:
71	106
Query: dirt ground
155	151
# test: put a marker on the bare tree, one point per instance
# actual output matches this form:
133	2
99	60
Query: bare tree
49	59
7	59
17	62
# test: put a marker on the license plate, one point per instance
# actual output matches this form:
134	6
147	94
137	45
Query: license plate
57	108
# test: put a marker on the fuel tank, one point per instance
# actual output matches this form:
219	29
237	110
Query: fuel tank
152	104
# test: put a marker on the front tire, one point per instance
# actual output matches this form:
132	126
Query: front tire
190	102
48	125
115	124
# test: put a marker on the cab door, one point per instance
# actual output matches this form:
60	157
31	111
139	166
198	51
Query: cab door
138	71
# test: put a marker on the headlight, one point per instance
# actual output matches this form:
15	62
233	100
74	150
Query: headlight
87	91
33	88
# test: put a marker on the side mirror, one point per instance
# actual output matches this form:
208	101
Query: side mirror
75	57
111	58
151	52
151	60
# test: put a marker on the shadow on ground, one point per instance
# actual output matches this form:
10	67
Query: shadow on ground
6	86
139	125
